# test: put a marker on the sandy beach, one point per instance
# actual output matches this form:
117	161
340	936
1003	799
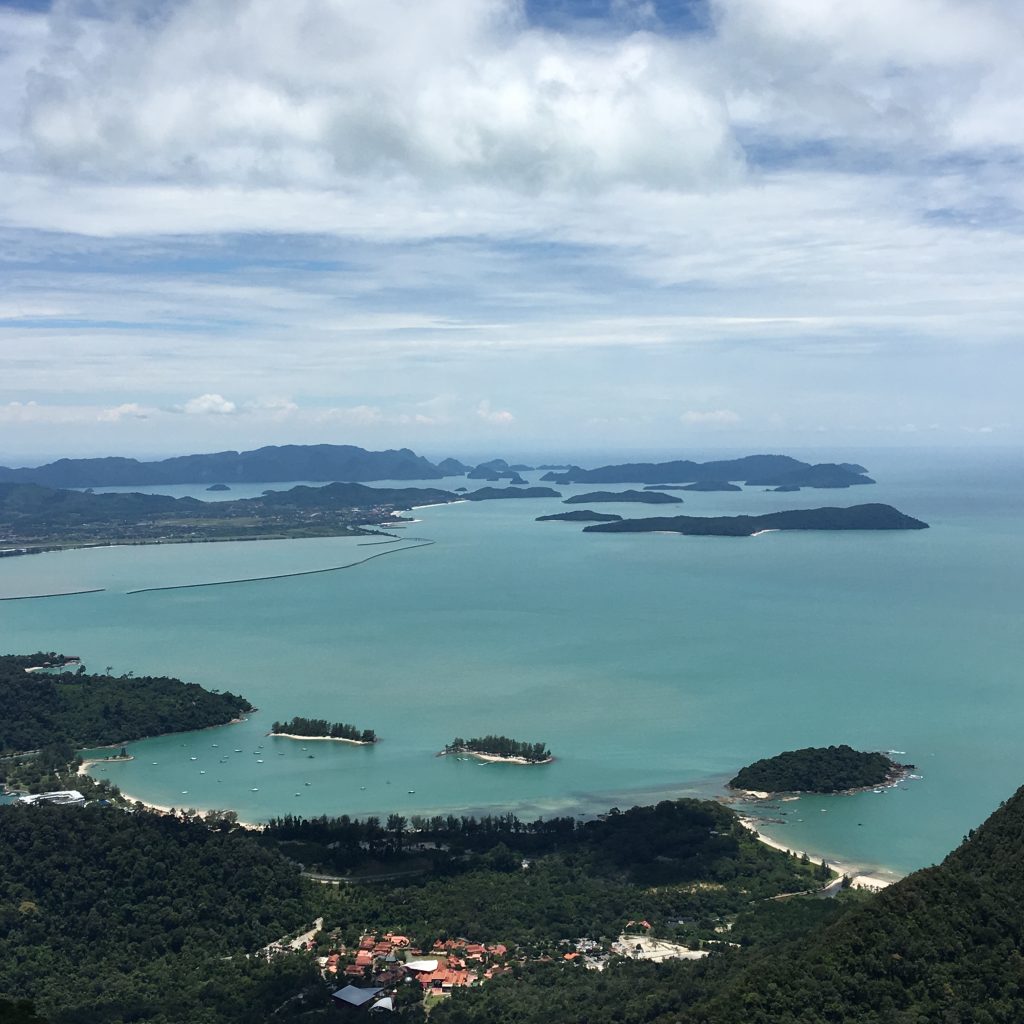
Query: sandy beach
184	806
334	739
859	880
494	758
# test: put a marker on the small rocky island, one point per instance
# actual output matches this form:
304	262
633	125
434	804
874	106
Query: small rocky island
643	497
835	769
580	515
712	485
856	517
499	748
218	487
321	729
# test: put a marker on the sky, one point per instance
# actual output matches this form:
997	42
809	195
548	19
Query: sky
510	225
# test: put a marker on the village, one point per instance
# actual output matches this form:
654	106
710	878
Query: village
384	972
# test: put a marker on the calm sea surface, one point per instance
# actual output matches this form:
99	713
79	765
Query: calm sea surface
652	665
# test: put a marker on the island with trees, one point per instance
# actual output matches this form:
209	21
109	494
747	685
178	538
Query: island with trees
581	515
764	470
641	497
495	493
500	748
835	769
320	729
856	517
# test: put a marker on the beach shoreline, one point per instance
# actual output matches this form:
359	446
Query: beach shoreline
494	758
859	879
334	739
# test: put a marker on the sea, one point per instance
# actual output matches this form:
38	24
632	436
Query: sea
654	666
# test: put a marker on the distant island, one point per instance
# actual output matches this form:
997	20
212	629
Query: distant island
641	497
711	485
763	470
856	517
500	748
494	493
34	518
582	515
320	729
836	769
218	487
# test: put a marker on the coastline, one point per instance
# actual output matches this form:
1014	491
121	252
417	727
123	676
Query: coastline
859	879
333	739
495	758
167	809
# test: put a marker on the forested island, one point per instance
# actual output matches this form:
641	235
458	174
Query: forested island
834	769
493	493
642	497
500	748
856	517
582	515
763	470
321	729
33	517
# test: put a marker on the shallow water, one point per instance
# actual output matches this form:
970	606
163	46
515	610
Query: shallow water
652	665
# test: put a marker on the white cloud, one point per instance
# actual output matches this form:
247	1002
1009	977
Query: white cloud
500	416
713	417
127	410
209	405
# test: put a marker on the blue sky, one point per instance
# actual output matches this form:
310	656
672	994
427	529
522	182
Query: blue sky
466	225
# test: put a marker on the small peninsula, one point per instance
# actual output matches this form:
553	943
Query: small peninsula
856	517
581	515
641	497
320	729
835	769
499	748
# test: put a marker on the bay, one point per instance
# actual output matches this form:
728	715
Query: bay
652	665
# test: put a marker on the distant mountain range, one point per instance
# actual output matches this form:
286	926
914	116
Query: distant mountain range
349	463
273	464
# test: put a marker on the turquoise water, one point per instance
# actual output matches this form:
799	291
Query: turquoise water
652	665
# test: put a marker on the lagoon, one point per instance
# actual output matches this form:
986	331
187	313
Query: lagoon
651	665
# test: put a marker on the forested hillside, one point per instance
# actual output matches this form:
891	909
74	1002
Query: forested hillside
944	945
107	917
88	709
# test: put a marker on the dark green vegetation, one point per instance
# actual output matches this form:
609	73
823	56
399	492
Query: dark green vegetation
680	859
497	469
107	916
753	469
582	515
943	946
218	487
32	516
499	746
263	465
321	727
83	709
818	770
643	497
491	493
856	517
